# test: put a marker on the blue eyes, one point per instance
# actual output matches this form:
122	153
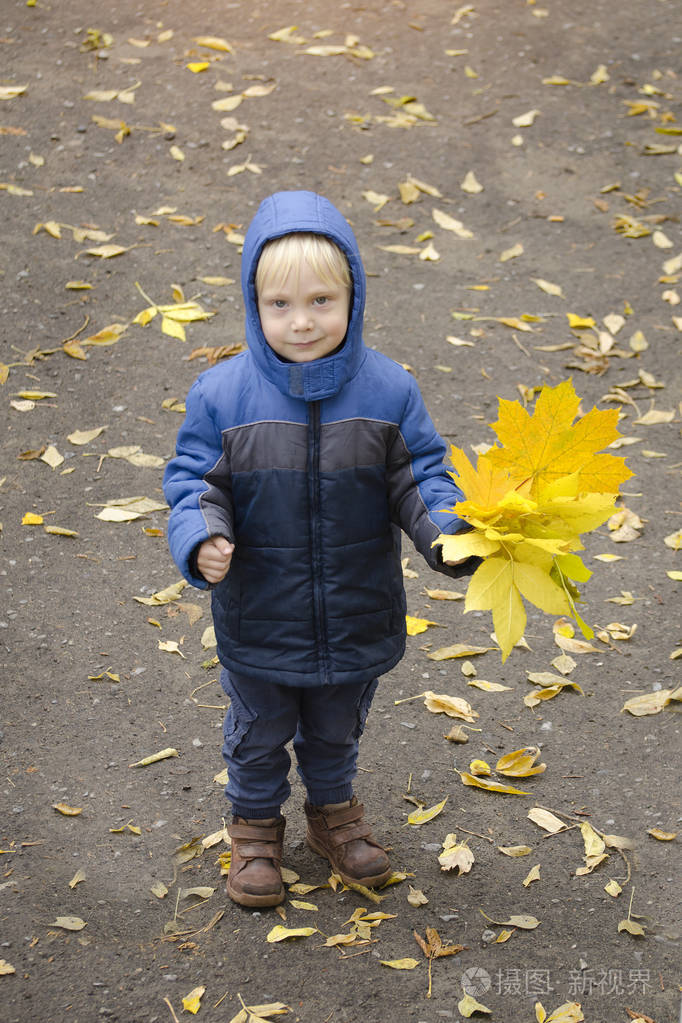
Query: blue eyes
281	303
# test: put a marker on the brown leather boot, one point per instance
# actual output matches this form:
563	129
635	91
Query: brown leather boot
343	837
254	878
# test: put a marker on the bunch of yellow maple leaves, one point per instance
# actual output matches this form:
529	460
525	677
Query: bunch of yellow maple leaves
527	501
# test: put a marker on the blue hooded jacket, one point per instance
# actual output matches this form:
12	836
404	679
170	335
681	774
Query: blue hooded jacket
311	470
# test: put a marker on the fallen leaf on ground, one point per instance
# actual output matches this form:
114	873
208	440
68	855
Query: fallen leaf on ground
341	939
549	692
192	1001
449	223
453	706
171	646
520	763
569	1012
201	892
163	754
68	811
165	596
468	1005
662	836
456	855
471	184
400	964
117	514
280	933
208	638
674	540
213	43
415	626
12	91
511	253
416	897
490	786
107	251
457	734
651	703
31	519
533	875
525	922
79	437
632	927
547	820
52	457
422	816
594	849
564	637
617	842
433	945
445	653
655	417
36	395
548	287
258	1013
69	923
525	120
515	850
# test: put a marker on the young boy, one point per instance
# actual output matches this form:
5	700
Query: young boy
297	466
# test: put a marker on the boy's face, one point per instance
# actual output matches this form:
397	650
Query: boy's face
304	319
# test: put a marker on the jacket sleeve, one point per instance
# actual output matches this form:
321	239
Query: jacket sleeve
197	486
422	493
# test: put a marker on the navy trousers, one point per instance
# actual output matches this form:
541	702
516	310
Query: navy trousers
325	722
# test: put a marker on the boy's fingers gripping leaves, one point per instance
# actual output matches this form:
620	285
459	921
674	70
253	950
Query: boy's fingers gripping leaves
214	557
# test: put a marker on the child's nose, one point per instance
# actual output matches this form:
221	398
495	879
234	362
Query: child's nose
301	320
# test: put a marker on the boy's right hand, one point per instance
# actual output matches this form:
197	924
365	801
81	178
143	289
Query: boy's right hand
214	557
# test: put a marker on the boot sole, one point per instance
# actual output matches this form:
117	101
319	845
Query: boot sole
246	899
372	881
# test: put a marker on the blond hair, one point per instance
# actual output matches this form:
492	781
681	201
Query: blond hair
284	255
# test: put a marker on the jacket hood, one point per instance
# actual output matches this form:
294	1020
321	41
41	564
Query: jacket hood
286	213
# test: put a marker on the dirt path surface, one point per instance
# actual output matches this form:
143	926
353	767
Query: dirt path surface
565	114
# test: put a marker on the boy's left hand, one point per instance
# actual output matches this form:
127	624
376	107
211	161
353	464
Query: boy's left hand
456	561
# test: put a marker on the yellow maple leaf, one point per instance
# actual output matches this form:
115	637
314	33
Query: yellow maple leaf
547	445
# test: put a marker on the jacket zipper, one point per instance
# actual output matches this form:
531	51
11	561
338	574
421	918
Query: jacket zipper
316	540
